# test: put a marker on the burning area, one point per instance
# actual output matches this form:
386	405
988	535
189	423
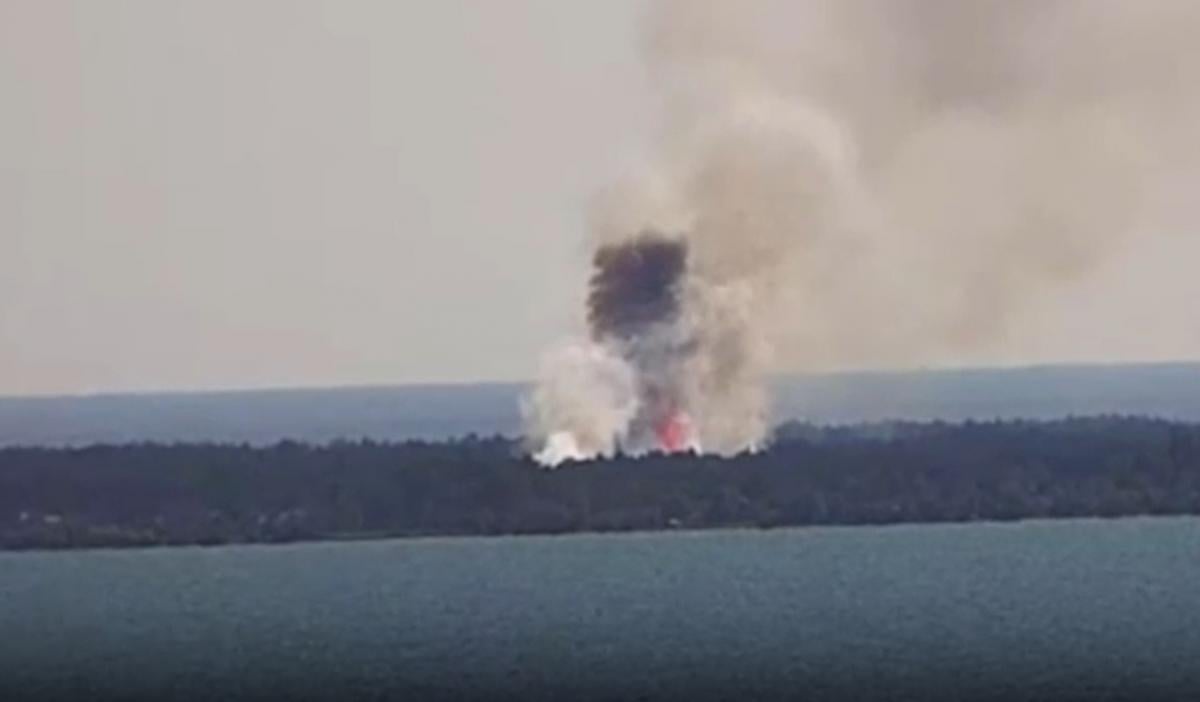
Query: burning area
862	184
639	329
634	307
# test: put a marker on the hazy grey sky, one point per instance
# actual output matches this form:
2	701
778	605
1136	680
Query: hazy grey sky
228	193
220	193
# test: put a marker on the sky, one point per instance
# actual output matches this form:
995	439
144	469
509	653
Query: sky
230	194
224	194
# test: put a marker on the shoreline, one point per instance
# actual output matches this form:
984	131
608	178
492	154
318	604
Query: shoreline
374	537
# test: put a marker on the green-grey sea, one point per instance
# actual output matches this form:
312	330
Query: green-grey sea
1086	609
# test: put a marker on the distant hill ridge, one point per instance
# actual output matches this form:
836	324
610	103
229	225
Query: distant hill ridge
1168	390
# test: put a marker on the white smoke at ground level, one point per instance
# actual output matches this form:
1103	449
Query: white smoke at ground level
582	403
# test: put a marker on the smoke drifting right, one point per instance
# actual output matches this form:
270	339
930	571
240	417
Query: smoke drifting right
871	183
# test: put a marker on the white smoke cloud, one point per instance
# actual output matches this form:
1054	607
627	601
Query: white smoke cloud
582	403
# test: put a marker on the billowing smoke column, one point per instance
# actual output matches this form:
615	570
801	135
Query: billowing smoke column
870	183
664	367
669	363
625	388
634	307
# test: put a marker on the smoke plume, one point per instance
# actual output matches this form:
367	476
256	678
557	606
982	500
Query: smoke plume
854	183
635	286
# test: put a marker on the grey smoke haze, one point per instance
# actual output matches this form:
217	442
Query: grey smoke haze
866	182
901	181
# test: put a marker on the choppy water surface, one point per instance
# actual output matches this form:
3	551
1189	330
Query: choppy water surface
1092	608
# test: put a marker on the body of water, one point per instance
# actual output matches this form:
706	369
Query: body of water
1037	610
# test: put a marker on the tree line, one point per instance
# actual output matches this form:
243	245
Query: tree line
152	494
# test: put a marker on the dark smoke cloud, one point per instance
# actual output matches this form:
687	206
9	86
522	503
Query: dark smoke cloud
636	284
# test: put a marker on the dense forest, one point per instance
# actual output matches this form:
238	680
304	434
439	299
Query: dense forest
147	494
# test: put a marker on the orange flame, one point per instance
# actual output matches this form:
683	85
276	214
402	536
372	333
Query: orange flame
674	433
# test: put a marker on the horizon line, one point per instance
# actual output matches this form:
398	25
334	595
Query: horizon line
465	384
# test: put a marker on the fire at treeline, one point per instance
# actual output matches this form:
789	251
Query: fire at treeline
641	346
863	184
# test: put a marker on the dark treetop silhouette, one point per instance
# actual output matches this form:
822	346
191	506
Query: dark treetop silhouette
145	494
